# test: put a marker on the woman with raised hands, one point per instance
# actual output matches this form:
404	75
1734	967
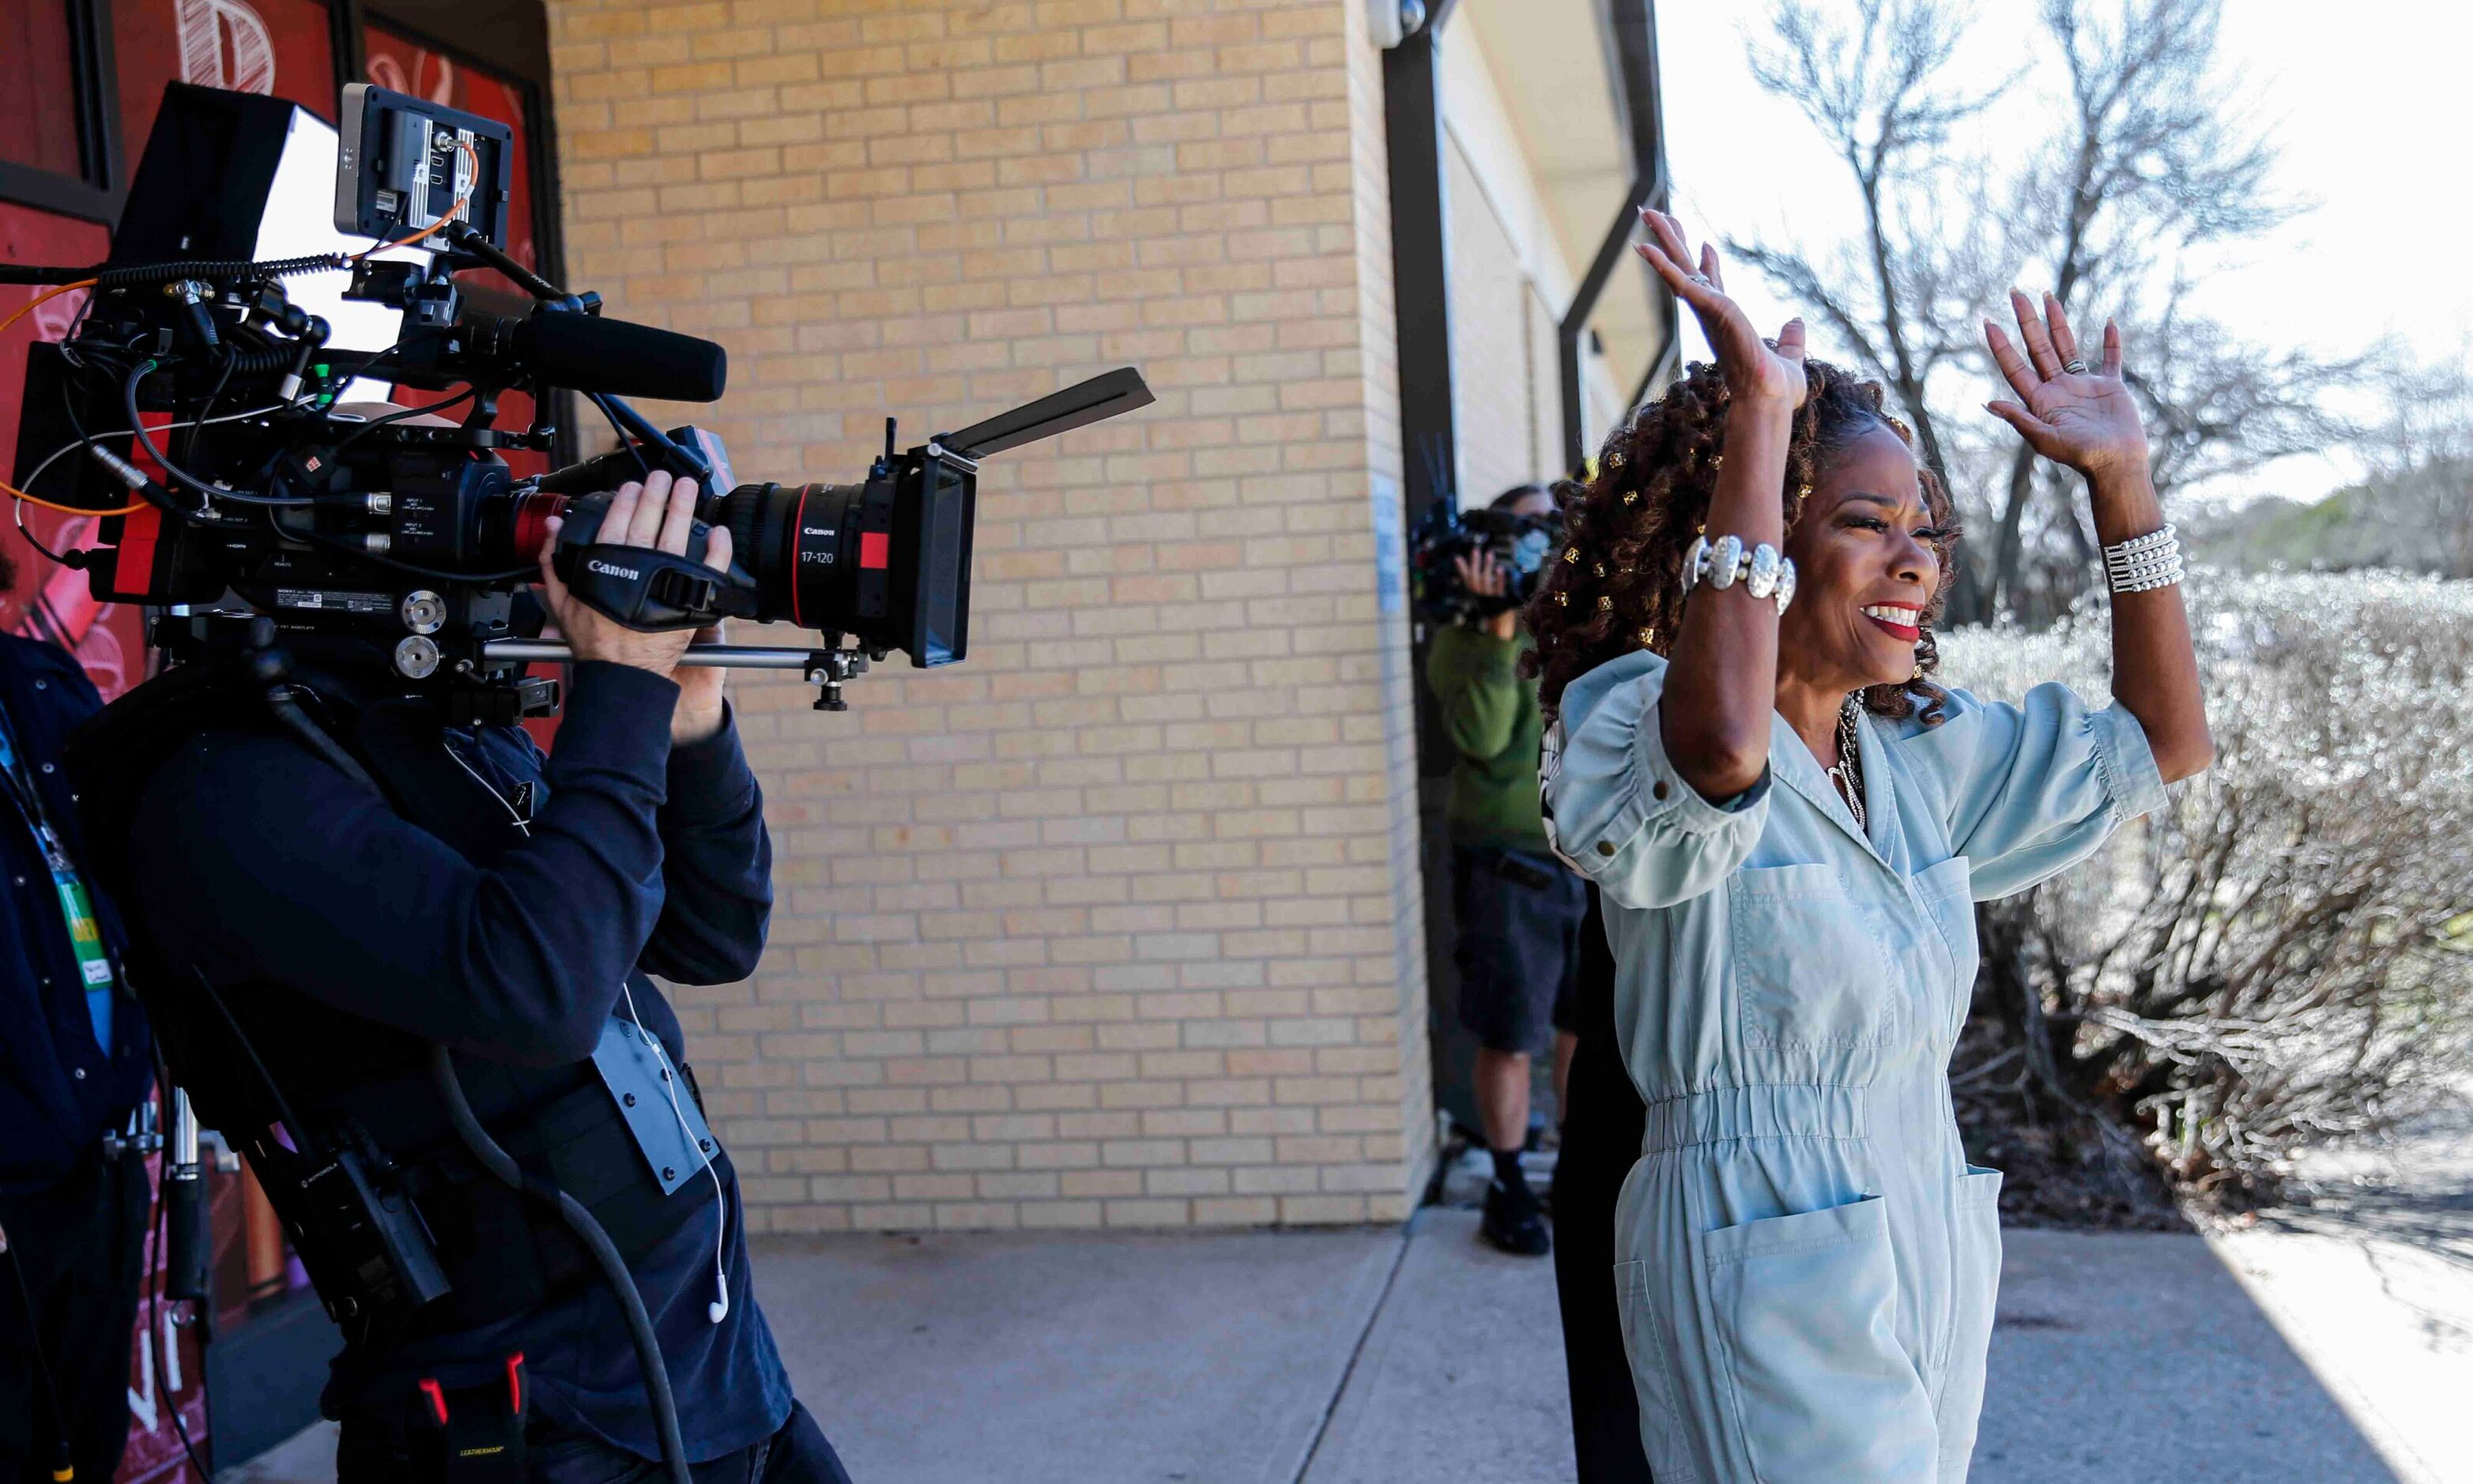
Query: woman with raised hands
1789	820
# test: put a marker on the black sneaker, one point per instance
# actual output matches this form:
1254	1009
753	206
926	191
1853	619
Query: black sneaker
1514	1222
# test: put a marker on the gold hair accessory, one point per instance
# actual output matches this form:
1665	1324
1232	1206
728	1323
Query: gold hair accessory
1916	679
1648	638
1605	604
1803	492
1632	496
1614	460
1717	462
1570	554
1600	569
1562	600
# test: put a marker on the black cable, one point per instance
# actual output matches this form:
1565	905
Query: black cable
433	574
304	1142
63	1464
27	533
618	426
146	275
231	360
278	699
605	1254
39	276
179	475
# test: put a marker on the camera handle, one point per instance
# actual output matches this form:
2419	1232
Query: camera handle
828	668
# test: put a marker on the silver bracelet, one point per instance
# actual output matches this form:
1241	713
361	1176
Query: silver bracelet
1762	570
2145	562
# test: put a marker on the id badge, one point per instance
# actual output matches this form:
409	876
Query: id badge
77	911
641	1081
86	936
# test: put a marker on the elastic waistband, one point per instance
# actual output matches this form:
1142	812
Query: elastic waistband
1763	1111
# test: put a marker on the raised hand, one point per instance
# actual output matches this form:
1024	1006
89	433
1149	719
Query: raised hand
2068	412
1754	368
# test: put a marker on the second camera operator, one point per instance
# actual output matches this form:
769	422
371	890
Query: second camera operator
1519	911
510	907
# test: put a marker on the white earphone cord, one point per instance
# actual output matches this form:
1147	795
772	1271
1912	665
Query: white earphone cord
719	1309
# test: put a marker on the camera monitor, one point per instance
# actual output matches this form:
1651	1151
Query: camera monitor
235	177
409	165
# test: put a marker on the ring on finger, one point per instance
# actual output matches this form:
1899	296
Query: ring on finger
2075	366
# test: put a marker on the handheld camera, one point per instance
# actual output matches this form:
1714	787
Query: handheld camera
1522	543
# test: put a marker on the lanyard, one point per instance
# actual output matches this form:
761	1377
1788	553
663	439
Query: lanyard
76	908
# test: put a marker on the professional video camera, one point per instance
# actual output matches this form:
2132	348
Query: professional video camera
224	425
1522	543
220	399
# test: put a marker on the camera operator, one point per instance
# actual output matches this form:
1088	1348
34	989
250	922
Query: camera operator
507	907
1519	909
74	1063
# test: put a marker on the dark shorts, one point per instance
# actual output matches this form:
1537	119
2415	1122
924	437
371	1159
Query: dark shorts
1519	950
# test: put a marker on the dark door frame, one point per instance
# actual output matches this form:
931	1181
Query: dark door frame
1421	296
1633	25
93	194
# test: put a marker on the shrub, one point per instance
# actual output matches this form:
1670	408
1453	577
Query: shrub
2281	956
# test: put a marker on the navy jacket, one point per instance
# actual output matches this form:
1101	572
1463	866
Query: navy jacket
265	866
59	1090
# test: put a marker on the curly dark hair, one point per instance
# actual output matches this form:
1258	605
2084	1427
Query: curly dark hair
1618	585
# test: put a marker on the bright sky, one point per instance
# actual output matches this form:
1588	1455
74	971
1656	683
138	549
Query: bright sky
2368	101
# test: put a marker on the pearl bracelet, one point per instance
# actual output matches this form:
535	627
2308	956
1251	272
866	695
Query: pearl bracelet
1763	571
2145	562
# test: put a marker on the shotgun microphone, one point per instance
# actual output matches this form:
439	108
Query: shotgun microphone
611	357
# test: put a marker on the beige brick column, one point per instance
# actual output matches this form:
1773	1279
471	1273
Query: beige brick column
1117	923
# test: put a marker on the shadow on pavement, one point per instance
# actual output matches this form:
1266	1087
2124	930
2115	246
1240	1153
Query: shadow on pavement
2132	1355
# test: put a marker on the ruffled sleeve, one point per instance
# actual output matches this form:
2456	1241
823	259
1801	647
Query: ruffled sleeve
1616	809
2029	791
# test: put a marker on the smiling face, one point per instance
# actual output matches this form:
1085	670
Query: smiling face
1865	568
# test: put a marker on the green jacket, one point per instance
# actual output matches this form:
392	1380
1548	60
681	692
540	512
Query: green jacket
1491	715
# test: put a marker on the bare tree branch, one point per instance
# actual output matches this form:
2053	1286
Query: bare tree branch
2156	160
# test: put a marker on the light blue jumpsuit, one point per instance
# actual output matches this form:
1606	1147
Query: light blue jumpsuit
1806	1261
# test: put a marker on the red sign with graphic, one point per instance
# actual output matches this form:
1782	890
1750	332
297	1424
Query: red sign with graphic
278	48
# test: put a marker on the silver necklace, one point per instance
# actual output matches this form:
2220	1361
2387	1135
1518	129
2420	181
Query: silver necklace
1847	773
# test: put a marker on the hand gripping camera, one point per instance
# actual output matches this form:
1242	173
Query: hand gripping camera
222	398
1521	544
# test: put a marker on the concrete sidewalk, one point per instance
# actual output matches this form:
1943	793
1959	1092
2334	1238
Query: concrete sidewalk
1372	1357
2331	1344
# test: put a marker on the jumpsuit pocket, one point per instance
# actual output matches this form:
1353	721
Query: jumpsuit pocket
1975	1270
1816	1387
1647	1341
1808	969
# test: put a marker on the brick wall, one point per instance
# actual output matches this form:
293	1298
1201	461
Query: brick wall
1115	923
